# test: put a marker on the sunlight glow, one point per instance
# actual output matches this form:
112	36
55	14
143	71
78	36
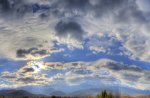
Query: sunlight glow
37	65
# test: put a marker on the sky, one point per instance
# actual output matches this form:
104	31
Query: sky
73	45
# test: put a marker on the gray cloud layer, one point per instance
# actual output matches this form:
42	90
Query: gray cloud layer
27	24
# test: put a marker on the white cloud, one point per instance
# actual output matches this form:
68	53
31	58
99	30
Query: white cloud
103	71
138	46
26	33
109	72
71	24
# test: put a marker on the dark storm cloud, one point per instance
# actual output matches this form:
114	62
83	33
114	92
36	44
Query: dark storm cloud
4	5
118	67
70	5
99	7
130	13
17	7
34	80
122	10
102	7
32	51
72	8
26	70
64	28
26	79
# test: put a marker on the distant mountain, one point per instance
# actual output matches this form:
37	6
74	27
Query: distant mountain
86	92
80	93
58	93
142	96
45	90
15	93
115	90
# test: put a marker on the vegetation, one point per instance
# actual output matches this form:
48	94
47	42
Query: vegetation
105	94
34	97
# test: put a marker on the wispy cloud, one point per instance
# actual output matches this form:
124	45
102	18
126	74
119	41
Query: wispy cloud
103	71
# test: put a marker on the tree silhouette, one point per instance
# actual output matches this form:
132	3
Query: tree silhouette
104	94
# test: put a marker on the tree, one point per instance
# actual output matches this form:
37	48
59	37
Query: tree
104	94
111	95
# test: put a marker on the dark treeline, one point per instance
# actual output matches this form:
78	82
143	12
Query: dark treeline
35	97
103	94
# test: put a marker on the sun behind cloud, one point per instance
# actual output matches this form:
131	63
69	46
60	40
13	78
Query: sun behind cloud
32	67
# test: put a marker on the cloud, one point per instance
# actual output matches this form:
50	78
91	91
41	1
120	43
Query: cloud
26	76
108	72
69	32
14	7
104	43
119	23
17	80
138	48
70	28
33	51
143	5
22	41
127	75
39	25
104	71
